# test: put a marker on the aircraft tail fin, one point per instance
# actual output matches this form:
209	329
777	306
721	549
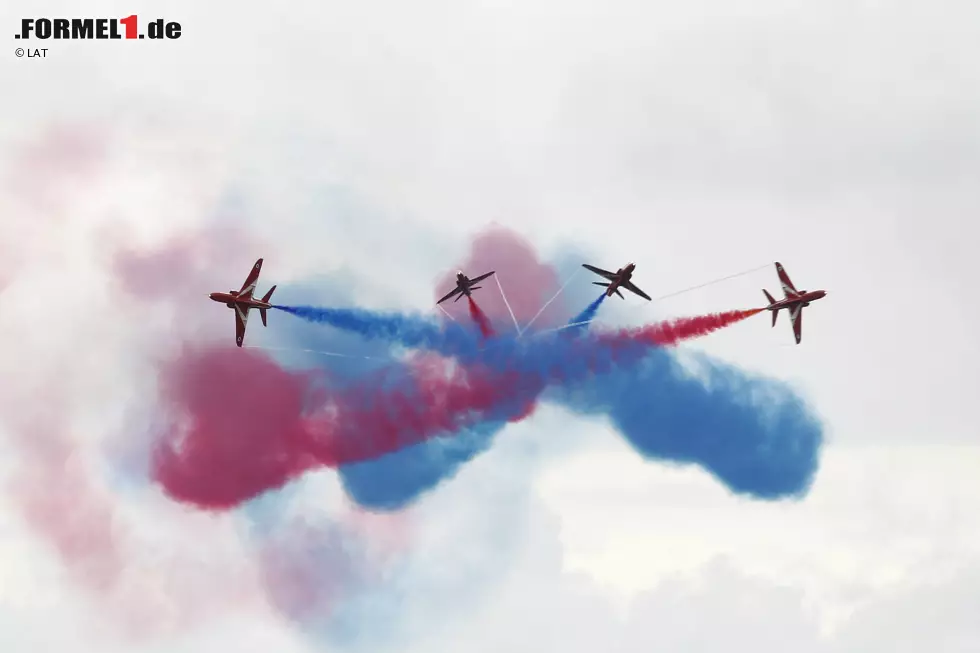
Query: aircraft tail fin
599	283
476	287
262	311
772	301
459	297
620	294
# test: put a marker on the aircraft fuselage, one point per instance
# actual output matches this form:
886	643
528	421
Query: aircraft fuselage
622	276
231	299
802	299
463	283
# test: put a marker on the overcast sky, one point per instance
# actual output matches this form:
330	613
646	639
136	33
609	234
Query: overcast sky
697	139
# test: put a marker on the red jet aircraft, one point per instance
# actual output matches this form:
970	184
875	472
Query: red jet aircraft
464	286
618	279
242	301
795	301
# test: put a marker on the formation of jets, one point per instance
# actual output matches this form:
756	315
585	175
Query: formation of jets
242	301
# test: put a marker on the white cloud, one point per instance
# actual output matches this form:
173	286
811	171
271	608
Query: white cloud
623	556
877	517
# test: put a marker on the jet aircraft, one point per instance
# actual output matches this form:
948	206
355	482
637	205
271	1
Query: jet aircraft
618	279
242	301
464	286
795	301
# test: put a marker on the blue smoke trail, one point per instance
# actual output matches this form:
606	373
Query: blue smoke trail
753	434
409	331
588	313
550	354
766	450
397	479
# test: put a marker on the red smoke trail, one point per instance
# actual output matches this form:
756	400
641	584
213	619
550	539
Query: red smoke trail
242	425
440	399
246	426
671	332
237	427
598	353
480	318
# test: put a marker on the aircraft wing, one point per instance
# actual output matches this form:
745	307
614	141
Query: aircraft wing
788	288
636	291
481	277
241	320
455	291
253	278
797	317
602	273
